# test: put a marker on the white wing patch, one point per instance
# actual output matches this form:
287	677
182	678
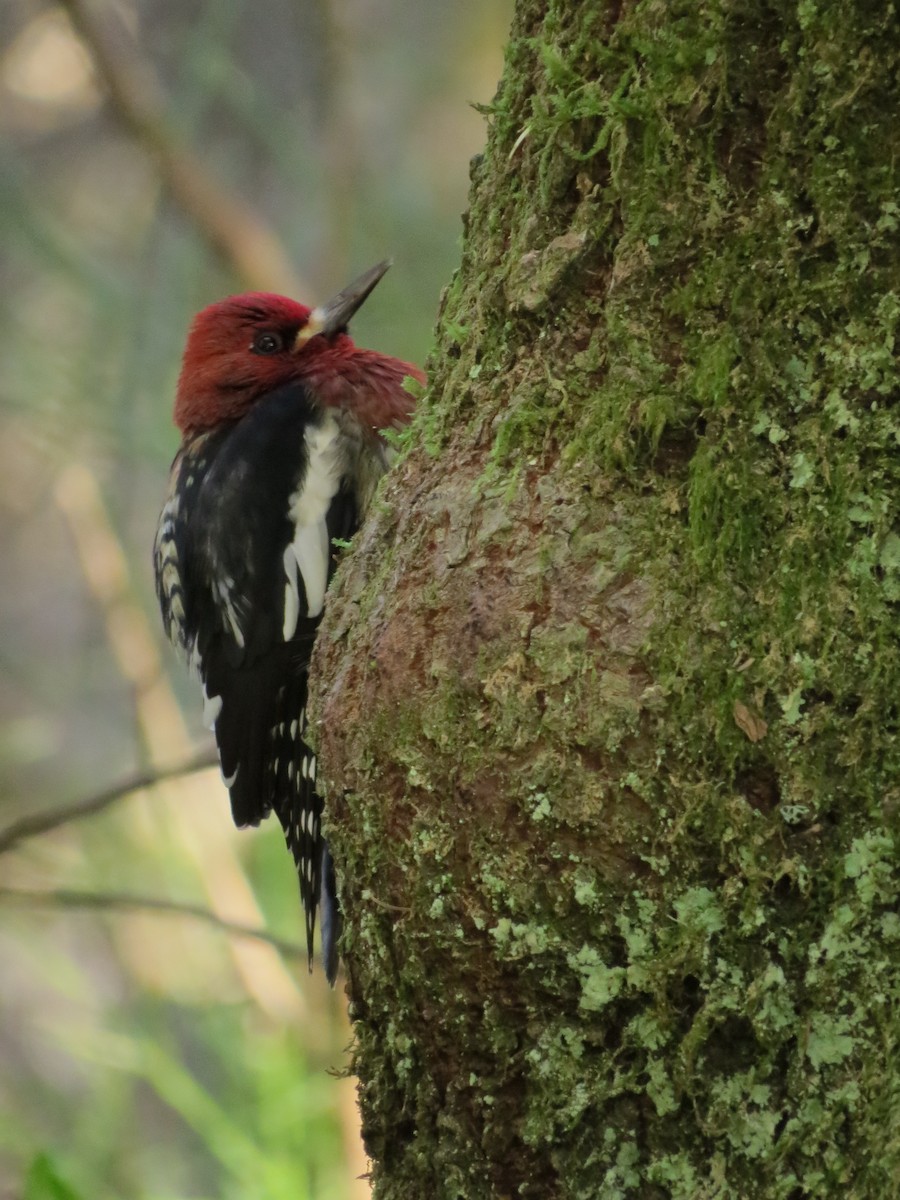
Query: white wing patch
310	552
168	574
189	468
291	594
225	591
309	549
212	706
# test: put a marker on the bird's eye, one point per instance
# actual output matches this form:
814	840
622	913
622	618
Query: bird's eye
267	343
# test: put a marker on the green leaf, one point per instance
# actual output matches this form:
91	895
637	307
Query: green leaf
889	558
829	1040
44	1182
791	705
802	470
698	909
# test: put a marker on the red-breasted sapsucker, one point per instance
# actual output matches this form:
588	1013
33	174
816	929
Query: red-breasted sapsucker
281	418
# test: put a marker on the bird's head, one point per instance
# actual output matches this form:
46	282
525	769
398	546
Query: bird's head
244	347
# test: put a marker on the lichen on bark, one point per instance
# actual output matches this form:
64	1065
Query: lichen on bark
608	685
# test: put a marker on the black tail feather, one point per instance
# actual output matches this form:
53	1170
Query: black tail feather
278	773
299	809
330	920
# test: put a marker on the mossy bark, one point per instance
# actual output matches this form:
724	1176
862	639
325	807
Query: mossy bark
609	687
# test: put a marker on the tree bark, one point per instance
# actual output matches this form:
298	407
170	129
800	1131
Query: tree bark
608	686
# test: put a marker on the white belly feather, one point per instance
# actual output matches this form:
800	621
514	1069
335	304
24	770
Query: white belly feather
309	550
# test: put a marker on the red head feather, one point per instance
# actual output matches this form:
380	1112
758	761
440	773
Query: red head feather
244	347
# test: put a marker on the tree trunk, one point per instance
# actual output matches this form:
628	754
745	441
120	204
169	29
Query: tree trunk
608	687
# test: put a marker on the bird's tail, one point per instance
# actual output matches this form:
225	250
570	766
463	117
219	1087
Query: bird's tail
298	807
330	916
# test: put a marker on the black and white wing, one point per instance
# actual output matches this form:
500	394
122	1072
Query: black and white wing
244	554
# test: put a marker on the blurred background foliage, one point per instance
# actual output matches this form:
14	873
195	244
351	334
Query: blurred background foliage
154	156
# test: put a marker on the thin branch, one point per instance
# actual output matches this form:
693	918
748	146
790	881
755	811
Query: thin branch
52	818
122	902
246	244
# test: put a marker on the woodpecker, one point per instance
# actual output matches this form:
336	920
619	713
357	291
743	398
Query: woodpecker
281	417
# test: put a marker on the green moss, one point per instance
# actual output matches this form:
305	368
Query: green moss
666	376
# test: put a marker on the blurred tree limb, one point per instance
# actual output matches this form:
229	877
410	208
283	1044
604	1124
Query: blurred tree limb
43	822
121	901
238	236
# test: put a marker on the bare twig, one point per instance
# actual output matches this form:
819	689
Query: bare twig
237	234
52	818
121	901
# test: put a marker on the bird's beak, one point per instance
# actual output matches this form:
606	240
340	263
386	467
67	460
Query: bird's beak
329	319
